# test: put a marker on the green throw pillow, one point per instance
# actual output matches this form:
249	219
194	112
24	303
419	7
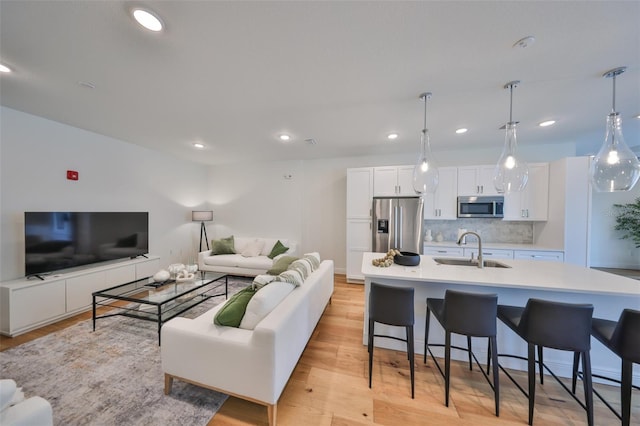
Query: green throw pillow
232	312
277	249
281	265
223	246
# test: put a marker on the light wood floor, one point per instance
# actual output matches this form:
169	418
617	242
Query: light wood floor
329	386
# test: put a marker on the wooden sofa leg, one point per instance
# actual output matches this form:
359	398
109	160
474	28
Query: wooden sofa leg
168	382
271	413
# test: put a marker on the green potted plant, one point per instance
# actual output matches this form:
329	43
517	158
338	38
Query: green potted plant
628	221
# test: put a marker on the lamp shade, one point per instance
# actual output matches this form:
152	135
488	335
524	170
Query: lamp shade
202	215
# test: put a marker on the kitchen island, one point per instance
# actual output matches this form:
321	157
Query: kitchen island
524	279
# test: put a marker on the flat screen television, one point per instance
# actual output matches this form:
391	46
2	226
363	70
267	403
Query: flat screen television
61	240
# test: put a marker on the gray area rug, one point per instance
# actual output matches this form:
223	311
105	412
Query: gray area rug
112	376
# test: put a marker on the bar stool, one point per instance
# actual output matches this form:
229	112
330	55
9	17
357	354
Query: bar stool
467	314
623	339
562	326
392	306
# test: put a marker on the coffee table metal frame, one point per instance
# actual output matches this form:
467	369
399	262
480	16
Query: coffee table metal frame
158	304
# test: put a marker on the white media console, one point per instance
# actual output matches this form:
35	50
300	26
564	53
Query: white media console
26	304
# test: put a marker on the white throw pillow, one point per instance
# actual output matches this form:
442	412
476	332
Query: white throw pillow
263	302
8	388
253	248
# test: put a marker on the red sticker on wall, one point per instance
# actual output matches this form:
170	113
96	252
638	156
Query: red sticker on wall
72	175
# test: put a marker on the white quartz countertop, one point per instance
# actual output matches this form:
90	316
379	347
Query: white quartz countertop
524	274
472	244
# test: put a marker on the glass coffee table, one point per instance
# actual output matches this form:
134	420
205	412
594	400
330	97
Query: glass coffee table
158	302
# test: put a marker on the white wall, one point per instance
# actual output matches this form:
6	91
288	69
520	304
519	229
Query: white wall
607	247
35	154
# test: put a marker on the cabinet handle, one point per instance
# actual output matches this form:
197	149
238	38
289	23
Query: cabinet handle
477	189
442	251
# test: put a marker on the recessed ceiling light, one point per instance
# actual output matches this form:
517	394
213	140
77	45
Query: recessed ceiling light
147	19
637	115
4	68
462	130
547	123
198	145
392	136
284	137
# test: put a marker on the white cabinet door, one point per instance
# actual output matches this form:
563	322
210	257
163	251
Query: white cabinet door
358	242
442	204
359	192
532	203
489	253
36	304
393	181
476	180
385	181
405	181
444	251
553	256
80	288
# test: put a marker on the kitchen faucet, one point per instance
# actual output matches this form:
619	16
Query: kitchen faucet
480	261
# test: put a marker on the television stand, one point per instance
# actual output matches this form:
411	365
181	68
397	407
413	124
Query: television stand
29	303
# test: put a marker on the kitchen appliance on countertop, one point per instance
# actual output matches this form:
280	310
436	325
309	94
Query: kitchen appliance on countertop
398	224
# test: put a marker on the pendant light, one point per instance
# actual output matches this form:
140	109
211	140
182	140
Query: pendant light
616	167
425	172
510	174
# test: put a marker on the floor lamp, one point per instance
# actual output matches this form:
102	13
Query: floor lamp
202	216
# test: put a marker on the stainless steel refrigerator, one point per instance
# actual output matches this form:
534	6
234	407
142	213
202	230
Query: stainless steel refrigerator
397	224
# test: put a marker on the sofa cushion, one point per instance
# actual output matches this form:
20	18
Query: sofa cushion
253	248
277	249
223	246
314	258
291	276
233	310
281	264
263	302
239	261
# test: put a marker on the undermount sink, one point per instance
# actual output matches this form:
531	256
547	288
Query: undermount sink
468	262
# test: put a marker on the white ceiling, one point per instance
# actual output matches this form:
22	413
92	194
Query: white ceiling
234	75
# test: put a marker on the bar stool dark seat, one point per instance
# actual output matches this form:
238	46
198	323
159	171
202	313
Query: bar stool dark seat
392	305
623	339
562	326
467	314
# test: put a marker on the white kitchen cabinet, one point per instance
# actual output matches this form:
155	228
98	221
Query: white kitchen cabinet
532	203
548	255
393	181
359	203
359	238
444	251
442	205
476	180
488	253
359	192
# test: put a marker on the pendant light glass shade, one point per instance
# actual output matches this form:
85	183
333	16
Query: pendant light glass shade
616	167
511	174
425	172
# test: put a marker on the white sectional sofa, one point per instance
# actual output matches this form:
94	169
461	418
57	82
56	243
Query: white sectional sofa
239	264
250	364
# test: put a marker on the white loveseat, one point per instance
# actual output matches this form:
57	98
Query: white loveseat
254	365
239	264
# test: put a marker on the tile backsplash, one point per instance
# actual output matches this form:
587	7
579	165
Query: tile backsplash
491	230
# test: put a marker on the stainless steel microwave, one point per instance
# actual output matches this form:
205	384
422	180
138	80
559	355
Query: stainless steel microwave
484	206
